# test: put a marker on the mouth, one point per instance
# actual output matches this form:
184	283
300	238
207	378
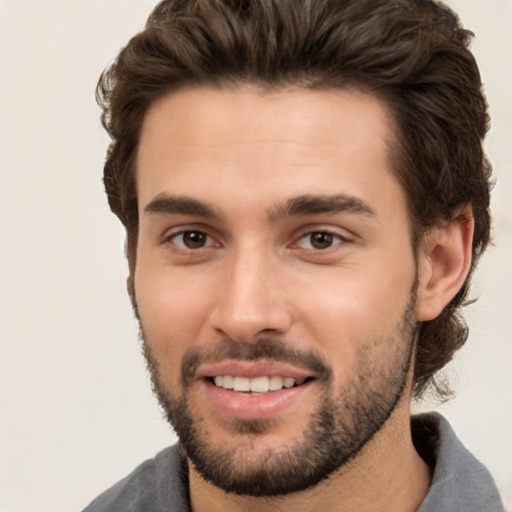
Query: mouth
257	385
255	390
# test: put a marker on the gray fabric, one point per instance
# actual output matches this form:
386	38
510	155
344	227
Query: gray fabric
460	483
157	485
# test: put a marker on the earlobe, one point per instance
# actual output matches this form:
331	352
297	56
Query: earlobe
130	288
444	263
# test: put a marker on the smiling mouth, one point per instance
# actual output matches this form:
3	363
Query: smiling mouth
257	385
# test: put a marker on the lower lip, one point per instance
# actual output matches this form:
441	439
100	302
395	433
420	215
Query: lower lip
254	407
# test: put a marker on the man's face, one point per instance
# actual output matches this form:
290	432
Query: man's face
273	251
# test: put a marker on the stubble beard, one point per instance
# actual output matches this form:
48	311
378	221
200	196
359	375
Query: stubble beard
337	431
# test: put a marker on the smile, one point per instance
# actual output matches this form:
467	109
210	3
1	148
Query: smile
256	385
254	390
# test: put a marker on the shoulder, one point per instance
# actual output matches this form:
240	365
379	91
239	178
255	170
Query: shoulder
460	481
158	484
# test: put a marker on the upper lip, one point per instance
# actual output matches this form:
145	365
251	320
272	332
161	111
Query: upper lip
252	369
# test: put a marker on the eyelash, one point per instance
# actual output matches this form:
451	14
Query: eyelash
172	239
333	239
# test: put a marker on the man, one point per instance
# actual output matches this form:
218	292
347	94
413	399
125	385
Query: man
305	197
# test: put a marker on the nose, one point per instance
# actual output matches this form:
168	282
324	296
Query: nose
251	299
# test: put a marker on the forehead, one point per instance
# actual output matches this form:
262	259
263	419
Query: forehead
264	145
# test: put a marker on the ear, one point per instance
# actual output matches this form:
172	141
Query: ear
130	288
444	261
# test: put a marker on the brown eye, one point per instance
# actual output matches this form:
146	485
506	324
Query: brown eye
321	240
192	240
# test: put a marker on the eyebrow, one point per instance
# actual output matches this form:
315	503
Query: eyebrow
313	204
294	207
166	204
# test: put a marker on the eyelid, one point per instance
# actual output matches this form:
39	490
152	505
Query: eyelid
337	240
170	236
345	235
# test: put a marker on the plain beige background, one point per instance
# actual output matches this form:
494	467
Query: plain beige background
76	413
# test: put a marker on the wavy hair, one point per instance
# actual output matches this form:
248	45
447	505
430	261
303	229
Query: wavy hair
414	54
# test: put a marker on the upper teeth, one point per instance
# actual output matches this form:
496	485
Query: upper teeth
256	385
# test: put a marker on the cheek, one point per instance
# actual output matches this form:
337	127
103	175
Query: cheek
353	307
172	309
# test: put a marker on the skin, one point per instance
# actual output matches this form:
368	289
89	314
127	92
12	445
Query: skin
246	154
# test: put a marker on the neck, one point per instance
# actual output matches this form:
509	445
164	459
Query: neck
387	475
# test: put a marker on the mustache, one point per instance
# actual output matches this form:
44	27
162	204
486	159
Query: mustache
263	348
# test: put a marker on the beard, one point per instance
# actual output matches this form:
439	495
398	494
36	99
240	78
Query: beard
344	421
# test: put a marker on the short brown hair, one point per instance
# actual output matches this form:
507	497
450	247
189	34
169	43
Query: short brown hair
412	53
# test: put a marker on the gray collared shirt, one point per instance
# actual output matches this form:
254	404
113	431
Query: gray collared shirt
460	483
